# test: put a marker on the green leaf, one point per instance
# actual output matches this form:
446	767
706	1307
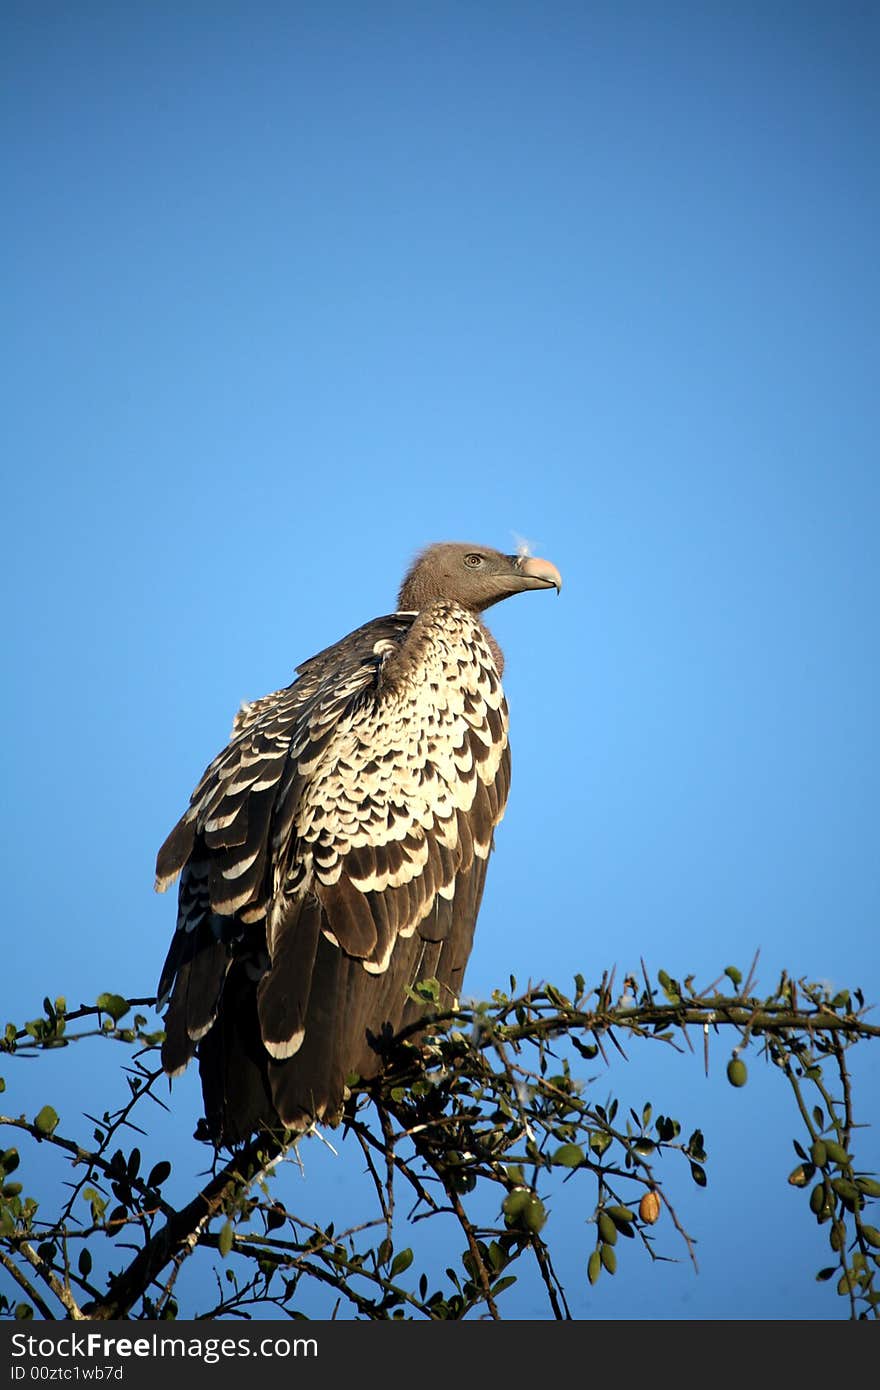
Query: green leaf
569	1156
698	1174
503	1284
225	1239
498	1257
84	1263
158	1173
599	1141
47	1120
275	1216
401	1261
696	1146
557	997
428	991
670	987
114	1005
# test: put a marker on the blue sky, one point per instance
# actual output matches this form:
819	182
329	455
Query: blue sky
294	289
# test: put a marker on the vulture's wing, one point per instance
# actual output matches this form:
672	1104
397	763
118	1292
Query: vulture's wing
332	855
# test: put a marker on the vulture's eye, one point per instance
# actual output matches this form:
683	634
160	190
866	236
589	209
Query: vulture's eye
473	561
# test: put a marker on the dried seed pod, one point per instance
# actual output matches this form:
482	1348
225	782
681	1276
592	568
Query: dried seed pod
649	1207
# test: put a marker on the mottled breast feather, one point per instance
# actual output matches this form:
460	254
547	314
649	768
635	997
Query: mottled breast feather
342	833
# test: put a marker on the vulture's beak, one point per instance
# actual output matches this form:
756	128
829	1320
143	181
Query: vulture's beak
541	573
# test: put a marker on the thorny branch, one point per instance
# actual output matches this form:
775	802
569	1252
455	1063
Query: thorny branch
471	1100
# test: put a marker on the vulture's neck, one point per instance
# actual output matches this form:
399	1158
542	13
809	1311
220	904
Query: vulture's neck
408	603
493	647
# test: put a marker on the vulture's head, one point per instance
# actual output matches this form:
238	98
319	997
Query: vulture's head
472	576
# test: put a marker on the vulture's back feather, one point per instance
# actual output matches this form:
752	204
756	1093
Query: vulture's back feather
334	854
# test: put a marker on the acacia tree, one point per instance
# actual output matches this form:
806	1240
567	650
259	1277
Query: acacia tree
478	1110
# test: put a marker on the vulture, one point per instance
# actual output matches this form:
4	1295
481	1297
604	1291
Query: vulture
333	855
